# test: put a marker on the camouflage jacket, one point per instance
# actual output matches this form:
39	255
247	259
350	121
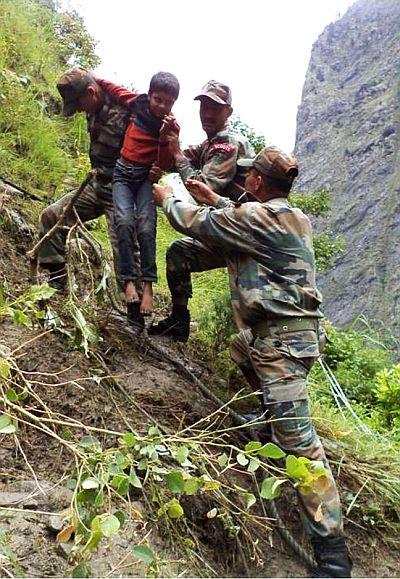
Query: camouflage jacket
106	131
267	249
214	162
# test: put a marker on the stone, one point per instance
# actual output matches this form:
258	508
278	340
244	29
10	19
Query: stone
353	118
55	524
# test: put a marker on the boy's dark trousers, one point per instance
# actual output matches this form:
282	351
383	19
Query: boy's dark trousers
135	216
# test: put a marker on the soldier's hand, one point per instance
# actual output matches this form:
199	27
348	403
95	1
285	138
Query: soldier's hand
169	128
202	192
160	193
155	173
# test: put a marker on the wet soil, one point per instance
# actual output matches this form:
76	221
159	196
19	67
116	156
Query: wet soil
68	383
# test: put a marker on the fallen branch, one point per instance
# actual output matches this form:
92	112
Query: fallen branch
32	254
11	187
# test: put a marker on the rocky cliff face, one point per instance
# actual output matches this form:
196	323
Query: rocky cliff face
348	137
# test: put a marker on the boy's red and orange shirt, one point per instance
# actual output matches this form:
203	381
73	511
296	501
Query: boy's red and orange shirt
141	141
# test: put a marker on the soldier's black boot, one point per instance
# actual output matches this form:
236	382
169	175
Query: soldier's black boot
332	558
260	427
57	276
135	318
176	325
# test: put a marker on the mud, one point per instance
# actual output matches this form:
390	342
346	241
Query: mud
71	385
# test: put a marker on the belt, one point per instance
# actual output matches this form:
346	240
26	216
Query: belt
263	329
128	163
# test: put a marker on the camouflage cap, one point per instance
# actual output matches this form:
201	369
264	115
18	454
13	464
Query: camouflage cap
71	86
218	92
274	163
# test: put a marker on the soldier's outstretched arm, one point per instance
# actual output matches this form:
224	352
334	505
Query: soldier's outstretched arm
230	227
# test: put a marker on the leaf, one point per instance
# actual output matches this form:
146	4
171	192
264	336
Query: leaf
174	509
223	459
212	513
40	292
130	439
297	467
110	525
21	319
11	394
94	540
253	465
121	517
153	431
181	454
143	553
191	486
242	459
85	332
123	487
250	500
99	500
102	287
81	570
90	442
271	450
90	483
270	488
209	484
134	480
4	369
65	534
175	481
321	485
70	483
7	426
87	496
252	445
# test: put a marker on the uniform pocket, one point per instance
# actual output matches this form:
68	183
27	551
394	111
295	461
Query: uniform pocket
301	344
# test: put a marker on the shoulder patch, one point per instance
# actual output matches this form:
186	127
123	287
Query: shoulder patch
224	147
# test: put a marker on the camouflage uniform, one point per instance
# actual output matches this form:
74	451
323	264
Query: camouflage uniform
106	130
267	248
214	162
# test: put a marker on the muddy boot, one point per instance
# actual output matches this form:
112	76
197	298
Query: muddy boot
177	325
135	318
57	276
332	558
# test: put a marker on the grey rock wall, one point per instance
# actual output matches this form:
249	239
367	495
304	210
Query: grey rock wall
348	134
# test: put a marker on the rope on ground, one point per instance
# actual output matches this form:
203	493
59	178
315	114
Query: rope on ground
340	397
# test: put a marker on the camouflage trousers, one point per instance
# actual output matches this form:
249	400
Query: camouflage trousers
92	203
278	365
185	256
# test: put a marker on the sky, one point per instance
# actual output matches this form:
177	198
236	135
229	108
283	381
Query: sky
260	48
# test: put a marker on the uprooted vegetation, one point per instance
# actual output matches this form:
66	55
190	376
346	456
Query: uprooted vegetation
113	461
115	456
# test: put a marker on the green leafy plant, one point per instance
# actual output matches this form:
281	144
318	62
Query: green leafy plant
387	391
23	309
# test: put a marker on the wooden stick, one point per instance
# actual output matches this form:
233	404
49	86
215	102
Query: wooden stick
34	251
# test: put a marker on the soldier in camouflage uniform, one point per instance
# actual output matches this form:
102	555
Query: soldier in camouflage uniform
214	162
106	122
267	247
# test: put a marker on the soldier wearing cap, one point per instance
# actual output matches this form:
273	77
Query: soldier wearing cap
213	162
106	123
266	245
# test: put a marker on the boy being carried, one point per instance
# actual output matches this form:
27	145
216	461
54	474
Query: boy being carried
145	143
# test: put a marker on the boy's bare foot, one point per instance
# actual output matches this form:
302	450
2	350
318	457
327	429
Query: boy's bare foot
131	294
146	307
